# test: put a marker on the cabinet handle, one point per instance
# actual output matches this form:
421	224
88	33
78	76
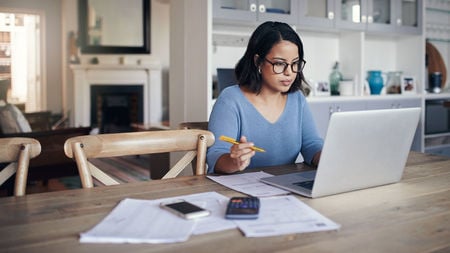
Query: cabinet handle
262	8
369	19
338	109
399	21
253	7
363	19
331	15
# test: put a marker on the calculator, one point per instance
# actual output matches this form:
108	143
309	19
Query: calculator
243	208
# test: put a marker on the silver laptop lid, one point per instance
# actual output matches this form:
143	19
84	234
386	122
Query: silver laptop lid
364	149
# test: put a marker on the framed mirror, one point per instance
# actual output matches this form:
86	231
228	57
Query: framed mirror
114	26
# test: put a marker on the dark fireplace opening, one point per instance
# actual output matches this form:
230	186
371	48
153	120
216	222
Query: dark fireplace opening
115	107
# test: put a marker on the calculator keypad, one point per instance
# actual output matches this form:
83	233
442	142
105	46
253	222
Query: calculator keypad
243	208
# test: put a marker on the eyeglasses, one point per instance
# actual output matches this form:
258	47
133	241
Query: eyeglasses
280	67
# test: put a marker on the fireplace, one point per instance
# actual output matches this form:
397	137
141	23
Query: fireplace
145	80
115	107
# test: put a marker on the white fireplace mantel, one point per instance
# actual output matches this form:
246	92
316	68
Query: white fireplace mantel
149	76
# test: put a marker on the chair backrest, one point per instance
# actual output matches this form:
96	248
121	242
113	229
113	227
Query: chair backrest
203	125
17	151
137	143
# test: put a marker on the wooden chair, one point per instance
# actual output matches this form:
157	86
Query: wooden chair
17	152
203	125
82	148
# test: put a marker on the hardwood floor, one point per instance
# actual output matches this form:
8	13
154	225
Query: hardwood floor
124	169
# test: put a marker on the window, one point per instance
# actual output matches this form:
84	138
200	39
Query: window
20	58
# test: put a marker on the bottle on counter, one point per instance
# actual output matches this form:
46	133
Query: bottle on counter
335	78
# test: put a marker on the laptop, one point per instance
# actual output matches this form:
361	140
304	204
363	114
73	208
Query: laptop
362	149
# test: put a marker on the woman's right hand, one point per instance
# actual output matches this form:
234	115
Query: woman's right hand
242	153
238	159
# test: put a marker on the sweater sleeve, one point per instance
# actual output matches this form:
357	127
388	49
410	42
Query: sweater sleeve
224	120
312	142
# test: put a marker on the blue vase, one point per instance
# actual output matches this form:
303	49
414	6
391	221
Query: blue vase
375	81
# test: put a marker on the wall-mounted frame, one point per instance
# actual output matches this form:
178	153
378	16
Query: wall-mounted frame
114	26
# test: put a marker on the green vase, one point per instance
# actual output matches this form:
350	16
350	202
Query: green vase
335	78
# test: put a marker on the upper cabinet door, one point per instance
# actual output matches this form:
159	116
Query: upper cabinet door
409	16
380	15
316	13
278	10
255	11
386	16
351	14
234	11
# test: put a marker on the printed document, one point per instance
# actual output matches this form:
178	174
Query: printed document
143	221
281	215
249	183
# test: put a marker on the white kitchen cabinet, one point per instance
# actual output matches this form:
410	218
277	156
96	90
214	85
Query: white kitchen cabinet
322	110
254	11
401	102
317	13
394	103
386	16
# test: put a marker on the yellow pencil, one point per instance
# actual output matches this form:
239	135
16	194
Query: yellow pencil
233	141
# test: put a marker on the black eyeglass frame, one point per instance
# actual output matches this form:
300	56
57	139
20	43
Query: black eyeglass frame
303	63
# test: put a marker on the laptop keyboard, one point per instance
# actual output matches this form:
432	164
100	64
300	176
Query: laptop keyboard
305	184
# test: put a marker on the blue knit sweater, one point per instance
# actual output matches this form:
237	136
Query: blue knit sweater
293	133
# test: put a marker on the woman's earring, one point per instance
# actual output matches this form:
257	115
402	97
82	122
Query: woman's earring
259	70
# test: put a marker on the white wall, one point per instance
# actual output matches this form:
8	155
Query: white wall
190	44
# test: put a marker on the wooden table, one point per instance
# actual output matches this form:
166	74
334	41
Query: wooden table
410	216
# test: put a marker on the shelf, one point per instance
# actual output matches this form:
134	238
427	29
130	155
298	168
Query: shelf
436	95
439	40
399	97
438	10
445	146
437	141
437	135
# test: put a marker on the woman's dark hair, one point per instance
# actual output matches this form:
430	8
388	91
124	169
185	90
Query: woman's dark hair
261	42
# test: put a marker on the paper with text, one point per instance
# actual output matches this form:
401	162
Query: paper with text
143	221
249	183
281	215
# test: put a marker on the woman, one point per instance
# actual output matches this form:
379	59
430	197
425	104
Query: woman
267	108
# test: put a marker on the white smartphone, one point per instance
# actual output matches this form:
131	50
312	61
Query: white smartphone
185	209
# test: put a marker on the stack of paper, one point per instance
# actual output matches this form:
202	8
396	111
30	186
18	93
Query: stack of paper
143	221
285	215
